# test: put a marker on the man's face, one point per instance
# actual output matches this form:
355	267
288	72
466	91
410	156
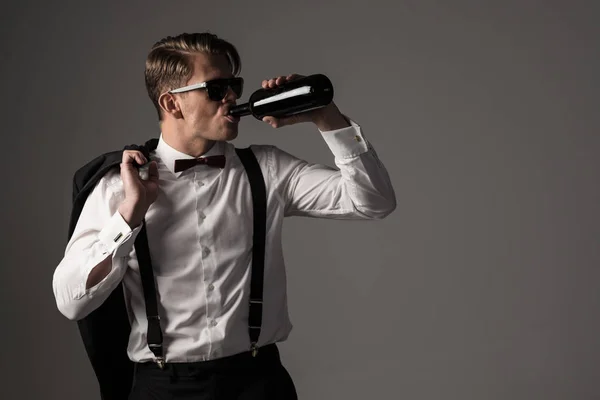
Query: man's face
205	118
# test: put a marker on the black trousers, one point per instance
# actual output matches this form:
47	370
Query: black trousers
238	377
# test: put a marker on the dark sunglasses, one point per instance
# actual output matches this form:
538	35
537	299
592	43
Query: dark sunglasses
216	88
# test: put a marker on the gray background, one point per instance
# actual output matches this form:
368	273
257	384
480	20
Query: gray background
483	284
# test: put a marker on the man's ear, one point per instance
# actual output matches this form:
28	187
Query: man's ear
170	105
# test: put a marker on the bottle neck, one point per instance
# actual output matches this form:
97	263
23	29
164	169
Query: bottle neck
240	110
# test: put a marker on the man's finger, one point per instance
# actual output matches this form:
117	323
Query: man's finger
153	171
133	155
274	122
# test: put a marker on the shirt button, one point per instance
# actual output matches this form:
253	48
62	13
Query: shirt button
213	322
205	252
211	287
201	215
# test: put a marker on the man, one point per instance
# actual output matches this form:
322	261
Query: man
199	228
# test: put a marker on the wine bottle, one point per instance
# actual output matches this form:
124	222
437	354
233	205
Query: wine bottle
292	97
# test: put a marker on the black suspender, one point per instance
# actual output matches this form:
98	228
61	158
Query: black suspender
154	335
259	203
259	206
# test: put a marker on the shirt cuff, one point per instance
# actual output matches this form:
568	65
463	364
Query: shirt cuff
117	237
346	142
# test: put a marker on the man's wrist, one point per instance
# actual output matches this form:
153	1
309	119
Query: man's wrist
330	118
132	213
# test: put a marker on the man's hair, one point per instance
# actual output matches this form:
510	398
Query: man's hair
169	63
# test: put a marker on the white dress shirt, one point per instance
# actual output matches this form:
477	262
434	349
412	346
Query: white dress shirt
200	238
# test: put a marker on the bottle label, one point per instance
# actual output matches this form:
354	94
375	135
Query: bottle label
286	95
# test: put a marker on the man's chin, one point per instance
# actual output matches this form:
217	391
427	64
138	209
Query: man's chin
221	135
230	135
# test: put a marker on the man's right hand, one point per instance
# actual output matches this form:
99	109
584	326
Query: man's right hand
139	193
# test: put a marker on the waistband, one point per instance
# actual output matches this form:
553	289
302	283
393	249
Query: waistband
267	355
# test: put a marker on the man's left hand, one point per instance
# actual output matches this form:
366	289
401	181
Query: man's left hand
325	118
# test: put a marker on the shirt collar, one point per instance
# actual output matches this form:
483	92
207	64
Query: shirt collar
168	154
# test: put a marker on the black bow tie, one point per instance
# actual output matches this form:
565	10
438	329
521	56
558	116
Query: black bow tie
213	161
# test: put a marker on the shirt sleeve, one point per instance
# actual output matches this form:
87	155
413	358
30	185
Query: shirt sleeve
359	188
101	232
